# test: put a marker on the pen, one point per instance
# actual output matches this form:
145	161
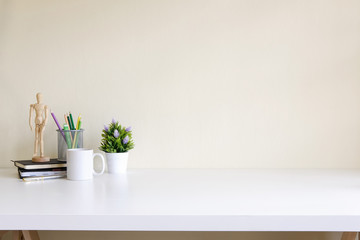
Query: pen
58	125
76	138
72	127
68	134
78	121
69	122
67	119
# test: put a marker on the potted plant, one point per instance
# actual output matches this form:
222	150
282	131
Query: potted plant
116	143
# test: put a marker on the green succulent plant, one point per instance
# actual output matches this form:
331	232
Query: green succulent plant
116	138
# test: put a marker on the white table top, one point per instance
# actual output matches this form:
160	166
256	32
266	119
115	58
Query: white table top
186	200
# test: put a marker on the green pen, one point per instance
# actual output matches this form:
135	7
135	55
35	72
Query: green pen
67	135
69	121
72	127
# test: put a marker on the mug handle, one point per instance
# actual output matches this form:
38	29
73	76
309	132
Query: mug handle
102	161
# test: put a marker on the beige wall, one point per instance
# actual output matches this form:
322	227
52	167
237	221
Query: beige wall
203	83
229	84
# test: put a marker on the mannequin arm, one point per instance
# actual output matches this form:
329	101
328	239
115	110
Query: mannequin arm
30	115
46	115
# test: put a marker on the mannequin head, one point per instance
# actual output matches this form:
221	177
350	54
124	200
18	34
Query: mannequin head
39	97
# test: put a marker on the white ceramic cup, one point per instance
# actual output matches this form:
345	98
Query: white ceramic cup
80	164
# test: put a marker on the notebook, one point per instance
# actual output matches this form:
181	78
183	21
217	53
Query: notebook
28	164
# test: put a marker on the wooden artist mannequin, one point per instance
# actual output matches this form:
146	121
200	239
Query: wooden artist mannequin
41	117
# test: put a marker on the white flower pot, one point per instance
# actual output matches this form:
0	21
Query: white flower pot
117	162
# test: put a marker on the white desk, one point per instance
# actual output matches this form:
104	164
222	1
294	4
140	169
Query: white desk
186	200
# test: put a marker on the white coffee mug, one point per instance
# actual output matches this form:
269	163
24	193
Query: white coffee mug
80	164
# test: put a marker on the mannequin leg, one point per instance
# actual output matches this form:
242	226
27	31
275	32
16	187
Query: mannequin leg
36	140
41	140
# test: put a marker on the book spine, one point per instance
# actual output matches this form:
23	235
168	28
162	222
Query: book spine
33	179
19	172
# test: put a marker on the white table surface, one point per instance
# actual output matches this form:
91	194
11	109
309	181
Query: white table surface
186	200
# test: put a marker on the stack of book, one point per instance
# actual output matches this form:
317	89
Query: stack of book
30	171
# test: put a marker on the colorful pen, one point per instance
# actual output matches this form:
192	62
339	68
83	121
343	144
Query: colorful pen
75	142
78	121
69	122
58	125
72	127
67	134
67	119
